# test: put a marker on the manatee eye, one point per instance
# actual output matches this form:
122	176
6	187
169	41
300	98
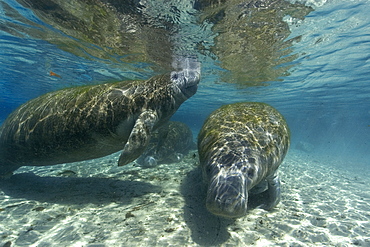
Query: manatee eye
208	170
251	172
174	76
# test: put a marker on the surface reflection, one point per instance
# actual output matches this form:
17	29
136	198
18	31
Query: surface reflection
108	30
251	42
248	39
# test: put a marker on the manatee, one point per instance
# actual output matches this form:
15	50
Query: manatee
240	148
168	144
88	122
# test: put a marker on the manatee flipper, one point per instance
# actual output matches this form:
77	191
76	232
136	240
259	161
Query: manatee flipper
139	137
273	190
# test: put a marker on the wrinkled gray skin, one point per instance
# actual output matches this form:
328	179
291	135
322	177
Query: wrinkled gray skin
88	122
240	148
168	144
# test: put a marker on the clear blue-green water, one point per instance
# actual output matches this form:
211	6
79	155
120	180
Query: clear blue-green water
309	60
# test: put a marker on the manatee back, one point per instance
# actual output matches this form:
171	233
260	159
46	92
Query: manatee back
63	126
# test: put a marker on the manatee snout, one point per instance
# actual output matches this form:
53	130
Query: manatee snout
188	77
227	195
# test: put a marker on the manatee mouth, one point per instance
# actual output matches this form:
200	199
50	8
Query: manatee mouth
227	196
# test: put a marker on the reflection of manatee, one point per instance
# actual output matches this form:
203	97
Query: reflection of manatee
81	123
116	30
251	37
168	144
240	148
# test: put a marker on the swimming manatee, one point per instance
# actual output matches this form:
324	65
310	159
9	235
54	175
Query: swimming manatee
81	123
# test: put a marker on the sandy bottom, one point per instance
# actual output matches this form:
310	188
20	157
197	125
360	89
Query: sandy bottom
96	203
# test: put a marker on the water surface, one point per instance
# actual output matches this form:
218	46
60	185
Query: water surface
310	60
